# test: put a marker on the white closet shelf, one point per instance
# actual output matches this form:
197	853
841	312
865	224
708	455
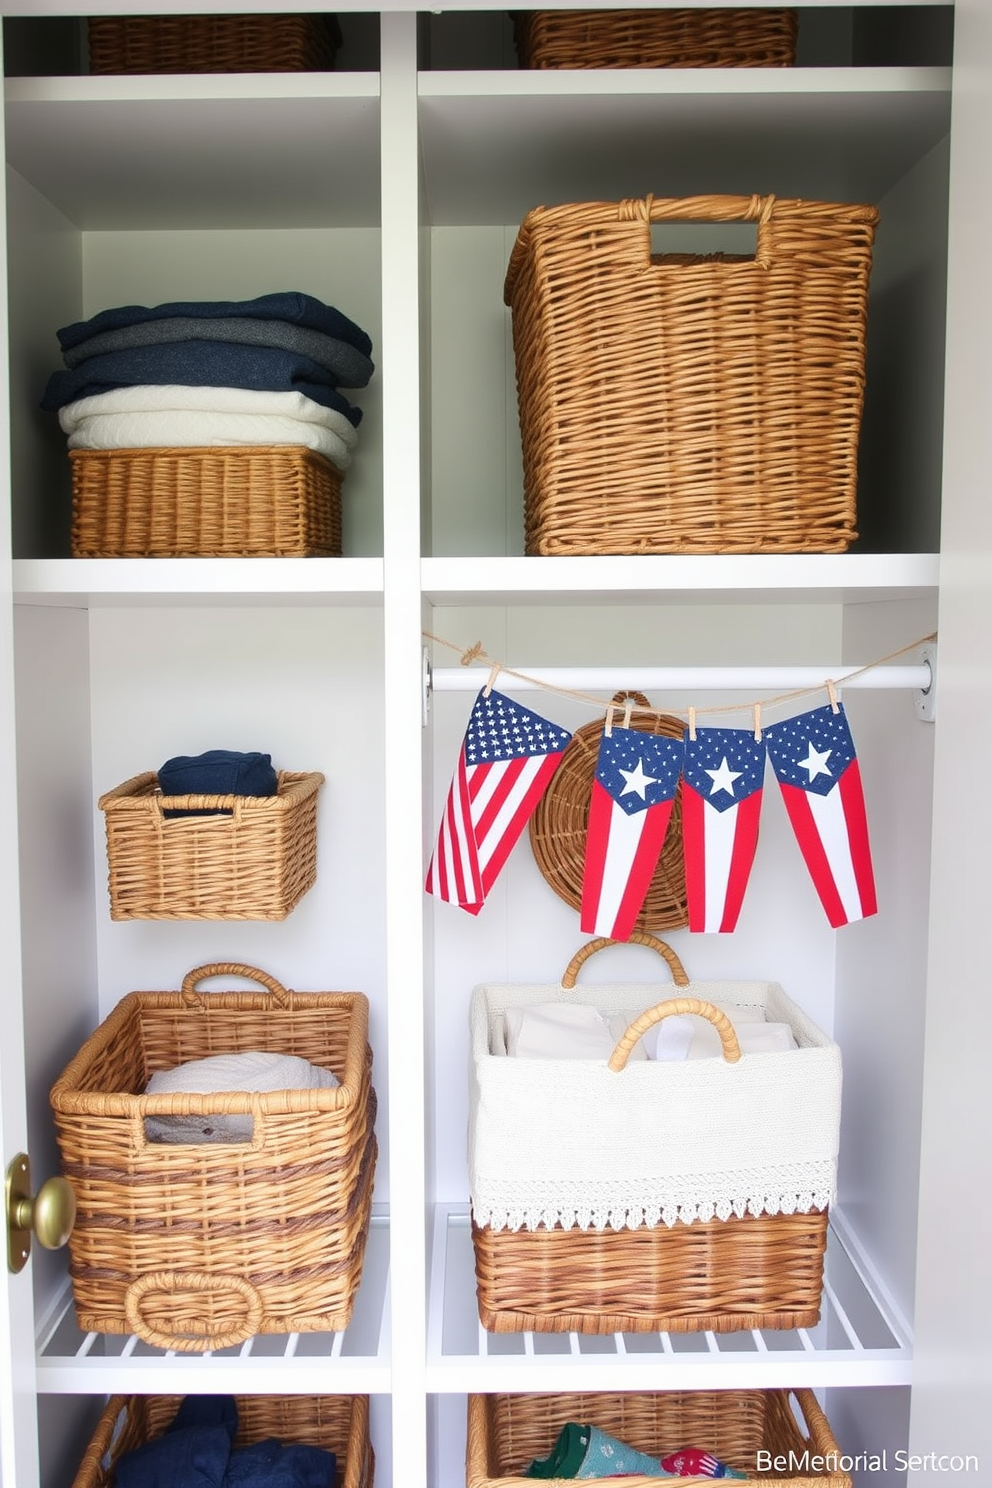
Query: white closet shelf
357	1361
496	144
200	150
92	582
860	1340
724	578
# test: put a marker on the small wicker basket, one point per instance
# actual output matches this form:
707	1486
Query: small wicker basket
743	1428
254	860
201	1246
690	403
656	38
338	1423
250	501
213	43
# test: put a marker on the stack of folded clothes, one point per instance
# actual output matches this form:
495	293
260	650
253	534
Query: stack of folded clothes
213	373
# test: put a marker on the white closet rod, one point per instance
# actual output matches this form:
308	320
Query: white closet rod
751	679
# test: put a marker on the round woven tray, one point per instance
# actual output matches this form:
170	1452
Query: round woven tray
558	825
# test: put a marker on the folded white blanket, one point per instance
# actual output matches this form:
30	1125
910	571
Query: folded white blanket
563	1030
179	398
253	1070
687	1037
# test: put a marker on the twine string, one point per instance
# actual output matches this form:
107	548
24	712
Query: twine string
476	653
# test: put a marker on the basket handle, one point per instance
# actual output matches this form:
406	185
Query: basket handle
192	1281
670	1009
638	937
757	209
192	979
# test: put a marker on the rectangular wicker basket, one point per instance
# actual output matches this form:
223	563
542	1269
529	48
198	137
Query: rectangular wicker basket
692	403
248	501
213	43
253	860
507	1432
338	1423
200	1246
656	38
601	1203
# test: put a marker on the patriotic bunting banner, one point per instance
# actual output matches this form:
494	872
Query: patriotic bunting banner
814	760
722	780
507	758
637	775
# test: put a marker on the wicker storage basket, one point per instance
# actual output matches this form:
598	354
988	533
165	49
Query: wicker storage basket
656	38
506	1433
199	1246
213	43
338	1423
601	1203
685	402
253	501
560	821
253	862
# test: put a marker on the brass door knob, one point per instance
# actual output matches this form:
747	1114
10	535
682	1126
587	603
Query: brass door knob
49	1216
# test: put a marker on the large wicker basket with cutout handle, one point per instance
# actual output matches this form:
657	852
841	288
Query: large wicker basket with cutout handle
559	824
690	403
746	1429
201	1246
337	1423
203	857
601	1203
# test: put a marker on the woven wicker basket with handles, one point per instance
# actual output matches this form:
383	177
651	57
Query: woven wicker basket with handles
656	38
506	1432
690	402
602	1203
199	1247
338	1423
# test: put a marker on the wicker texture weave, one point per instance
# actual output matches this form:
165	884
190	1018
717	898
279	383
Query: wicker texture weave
213	43
338	1423
202	1246
761	1271
560	821
254	501
506	1432
683	402
656	38
254	864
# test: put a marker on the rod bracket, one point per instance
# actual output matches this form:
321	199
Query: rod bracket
926	697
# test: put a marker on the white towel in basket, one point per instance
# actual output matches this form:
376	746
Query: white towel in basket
252	1070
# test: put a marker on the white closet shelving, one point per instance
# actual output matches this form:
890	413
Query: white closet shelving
396	194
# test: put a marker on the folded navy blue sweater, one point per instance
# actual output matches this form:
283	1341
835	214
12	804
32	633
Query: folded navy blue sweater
196	1452
199	364
218	772
290	305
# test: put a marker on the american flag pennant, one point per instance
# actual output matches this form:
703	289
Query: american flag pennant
816	765
507	758
637	775
722	779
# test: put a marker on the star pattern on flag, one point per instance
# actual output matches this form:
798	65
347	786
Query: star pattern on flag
800	747
638	769
500	729
724	766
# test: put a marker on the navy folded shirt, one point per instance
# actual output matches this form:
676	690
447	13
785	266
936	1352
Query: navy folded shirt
199	364
218	772
290	305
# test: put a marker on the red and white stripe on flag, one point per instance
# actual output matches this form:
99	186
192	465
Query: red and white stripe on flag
506	761
816	765
722	779
637	775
